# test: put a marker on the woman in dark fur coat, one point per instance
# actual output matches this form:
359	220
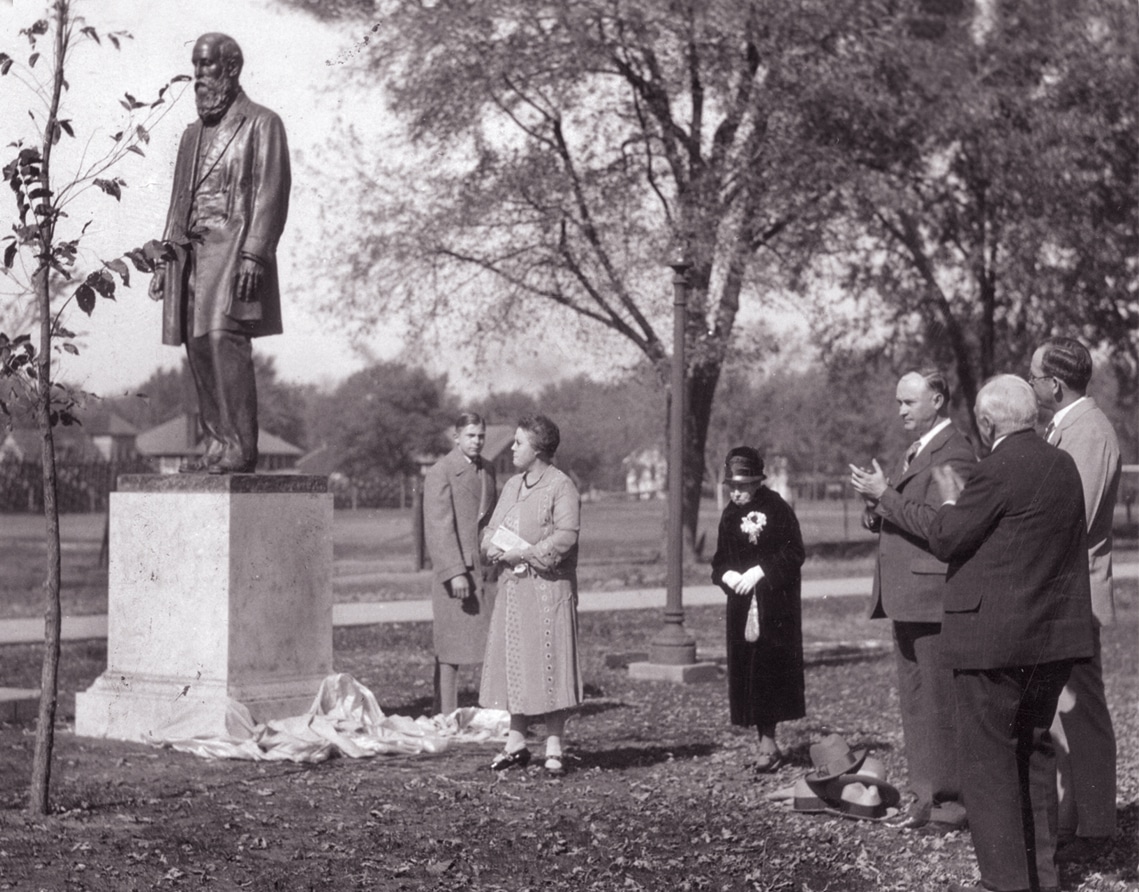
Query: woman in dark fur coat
758	558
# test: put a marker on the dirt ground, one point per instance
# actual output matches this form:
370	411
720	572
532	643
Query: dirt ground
659	795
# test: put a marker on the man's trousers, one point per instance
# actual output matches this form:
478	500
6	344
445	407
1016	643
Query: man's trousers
1085	752
1008	771
925	695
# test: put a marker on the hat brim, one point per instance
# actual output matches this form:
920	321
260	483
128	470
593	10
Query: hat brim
855	812
809	805
805	800
832	789
760	478
858	756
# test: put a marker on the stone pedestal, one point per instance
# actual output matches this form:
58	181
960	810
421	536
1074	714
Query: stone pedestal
219	589
690	673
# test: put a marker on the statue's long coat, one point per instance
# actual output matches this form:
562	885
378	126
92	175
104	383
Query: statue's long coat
244	182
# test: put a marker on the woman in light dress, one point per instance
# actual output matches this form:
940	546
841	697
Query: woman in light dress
531	664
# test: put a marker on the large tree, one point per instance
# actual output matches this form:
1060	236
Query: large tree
602	423
990	196
565	152
382	420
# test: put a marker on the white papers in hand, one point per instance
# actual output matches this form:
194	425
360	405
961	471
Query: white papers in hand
506	540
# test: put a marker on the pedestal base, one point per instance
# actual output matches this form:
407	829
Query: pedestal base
219	590
692	673
19	705
139	708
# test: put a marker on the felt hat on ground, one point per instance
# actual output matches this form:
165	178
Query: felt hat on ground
871	774
832	757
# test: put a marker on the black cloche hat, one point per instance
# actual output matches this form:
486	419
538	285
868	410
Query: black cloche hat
743	465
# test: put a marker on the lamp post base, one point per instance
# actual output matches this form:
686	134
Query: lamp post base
673	646
692	673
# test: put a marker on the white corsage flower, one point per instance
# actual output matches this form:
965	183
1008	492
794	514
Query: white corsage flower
753	524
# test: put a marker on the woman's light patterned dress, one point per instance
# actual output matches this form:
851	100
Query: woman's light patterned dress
531	665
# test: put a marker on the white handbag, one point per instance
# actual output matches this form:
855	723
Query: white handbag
751	628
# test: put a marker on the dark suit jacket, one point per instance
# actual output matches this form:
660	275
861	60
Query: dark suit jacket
243	184
1016	543
1086	435
452	521
909	582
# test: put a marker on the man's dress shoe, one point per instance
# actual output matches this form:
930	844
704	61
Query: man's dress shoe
1080	849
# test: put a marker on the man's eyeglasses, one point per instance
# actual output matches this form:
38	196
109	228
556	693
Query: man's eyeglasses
1032	379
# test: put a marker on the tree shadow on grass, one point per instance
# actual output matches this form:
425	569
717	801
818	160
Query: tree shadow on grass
623	757
597	706
840	653
841	550
594	704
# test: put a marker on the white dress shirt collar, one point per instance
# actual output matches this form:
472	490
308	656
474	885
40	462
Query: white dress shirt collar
1060	413
931	433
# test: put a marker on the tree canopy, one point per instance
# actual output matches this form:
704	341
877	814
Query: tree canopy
945	181
382	419
565	152
989	184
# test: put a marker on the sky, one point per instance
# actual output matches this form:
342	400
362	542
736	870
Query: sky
288	56
293	65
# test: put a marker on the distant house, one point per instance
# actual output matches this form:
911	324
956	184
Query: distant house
496	450
101	436
646	473
72	444
88	457
112	435
324	461
175	441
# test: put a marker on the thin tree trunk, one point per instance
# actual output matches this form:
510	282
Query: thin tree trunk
49	677
701	383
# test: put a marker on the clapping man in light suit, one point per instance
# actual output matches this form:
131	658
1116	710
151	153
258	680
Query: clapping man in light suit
1060	371
909	585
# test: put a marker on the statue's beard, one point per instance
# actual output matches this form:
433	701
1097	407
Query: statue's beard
213	95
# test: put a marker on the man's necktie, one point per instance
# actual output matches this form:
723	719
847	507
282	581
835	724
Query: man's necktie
911	454
484	500
1049	430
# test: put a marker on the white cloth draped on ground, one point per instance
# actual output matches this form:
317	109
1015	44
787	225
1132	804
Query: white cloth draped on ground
344	719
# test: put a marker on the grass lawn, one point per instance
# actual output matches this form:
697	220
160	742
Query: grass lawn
659	796
622	546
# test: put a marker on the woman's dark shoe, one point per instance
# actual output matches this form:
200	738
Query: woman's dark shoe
554	766
517	759
767	763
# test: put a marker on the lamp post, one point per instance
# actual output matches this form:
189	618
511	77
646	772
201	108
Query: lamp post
673	646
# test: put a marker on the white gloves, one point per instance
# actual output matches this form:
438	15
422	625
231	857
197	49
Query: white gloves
743	583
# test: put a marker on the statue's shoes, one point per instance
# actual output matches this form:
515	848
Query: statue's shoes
214	453
234	464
